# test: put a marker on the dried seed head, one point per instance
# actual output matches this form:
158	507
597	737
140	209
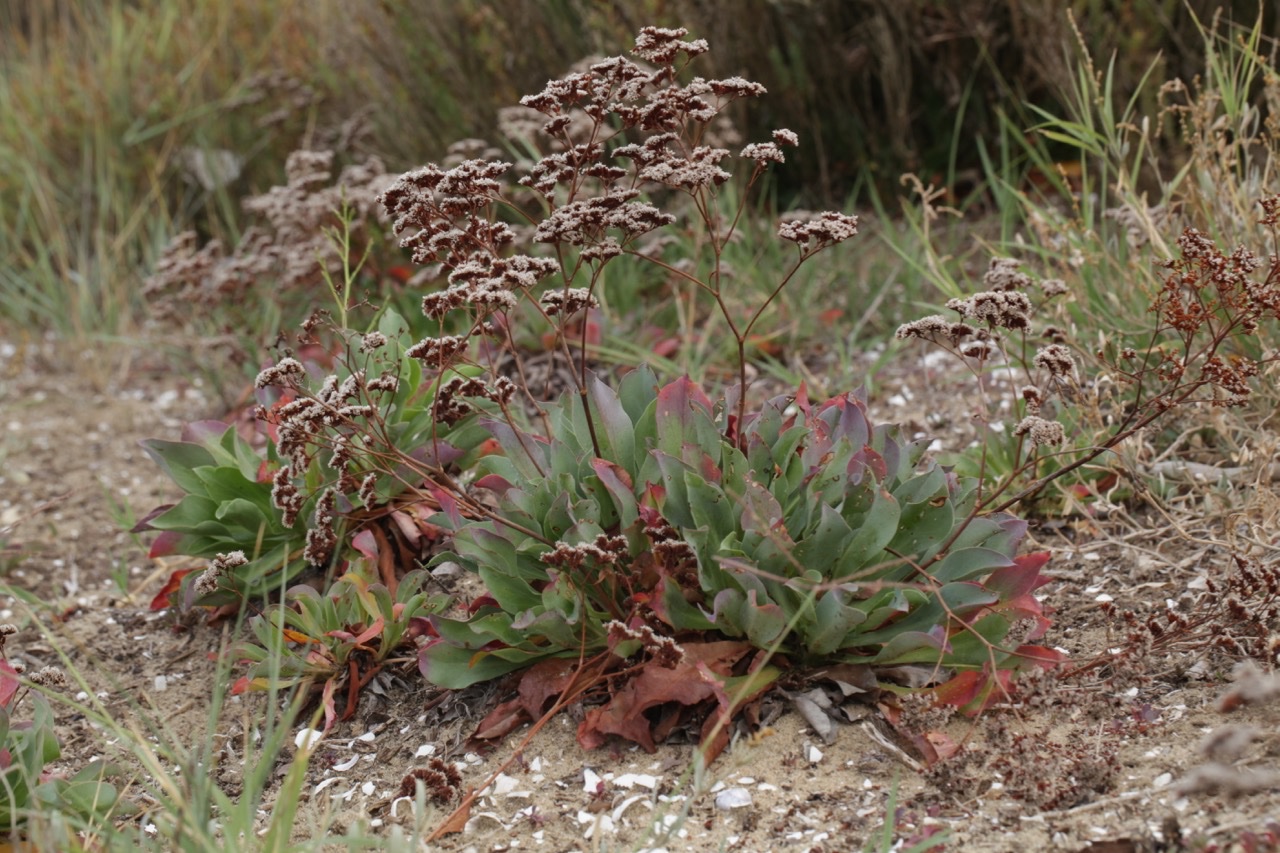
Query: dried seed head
219	567
567	301
763	153
826	229
660	45
284	373
49	676
373	341
1040	431
1006	309
1003	275
1057	360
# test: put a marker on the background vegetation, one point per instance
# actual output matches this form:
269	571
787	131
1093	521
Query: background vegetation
124	123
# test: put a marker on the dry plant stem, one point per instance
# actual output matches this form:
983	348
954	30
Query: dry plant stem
1123	432
588	675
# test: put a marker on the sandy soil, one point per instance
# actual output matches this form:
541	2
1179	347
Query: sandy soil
1094	765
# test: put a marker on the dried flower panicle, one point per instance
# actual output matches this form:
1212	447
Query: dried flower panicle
220	566
293	248
1041	432
49	676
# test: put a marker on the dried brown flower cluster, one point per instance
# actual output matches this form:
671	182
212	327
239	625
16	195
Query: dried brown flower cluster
292	251
440	780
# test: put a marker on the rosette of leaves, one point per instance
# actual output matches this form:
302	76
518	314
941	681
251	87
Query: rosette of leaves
226	506
228	481
805	530
340	638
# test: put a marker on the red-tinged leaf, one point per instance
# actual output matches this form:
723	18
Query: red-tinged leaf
667	347
480	603
448	505
6	759
166	544
365	543
420	626
407	527
961	689
164	598
494	482
802	399
327	701
244	684
372	631
9	683
266	472
1013	582
1041	656
144	523
400	273
1034	563
831	316
488	447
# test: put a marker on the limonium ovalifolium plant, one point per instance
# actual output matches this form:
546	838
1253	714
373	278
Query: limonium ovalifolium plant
644	532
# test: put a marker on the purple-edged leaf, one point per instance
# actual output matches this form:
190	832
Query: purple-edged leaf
1013	581
144	524
494	483
872	460
683	417
166	544
760	509
437	454
617	482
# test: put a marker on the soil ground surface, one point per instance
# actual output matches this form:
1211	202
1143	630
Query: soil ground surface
1097	763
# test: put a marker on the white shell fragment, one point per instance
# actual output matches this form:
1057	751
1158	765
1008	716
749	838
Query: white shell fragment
307	738
733	798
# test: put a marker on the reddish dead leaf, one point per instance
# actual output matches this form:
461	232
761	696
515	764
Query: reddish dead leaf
715	729
542	682
164	598
765	345
501	721
686	684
